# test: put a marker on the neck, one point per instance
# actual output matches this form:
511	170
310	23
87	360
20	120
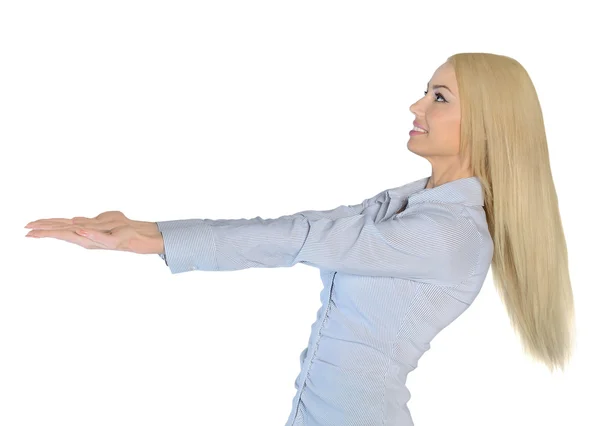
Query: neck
437	180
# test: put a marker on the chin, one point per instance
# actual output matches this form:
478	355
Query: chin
413	150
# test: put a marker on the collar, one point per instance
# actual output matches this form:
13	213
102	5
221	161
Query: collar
466	191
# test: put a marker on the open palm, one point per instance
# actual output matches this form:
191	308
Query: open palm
111	230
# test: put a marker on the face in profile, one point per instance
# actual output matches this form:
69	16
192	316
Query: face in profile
438	112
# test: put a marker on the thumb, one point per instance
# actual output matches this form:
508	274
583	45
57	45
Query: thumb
96	236
118	238
83	233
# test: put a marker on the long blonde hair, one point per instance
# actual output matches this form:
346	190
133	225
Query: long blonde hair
502	132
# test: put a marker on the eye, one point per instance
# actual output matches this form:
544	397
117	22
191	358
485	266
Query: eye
438	95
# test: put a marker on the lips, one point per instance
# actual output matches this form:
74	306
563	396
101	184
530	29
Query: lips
416	124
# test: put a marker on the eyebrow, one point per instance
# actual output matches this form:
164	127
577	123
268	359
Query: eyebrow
437	86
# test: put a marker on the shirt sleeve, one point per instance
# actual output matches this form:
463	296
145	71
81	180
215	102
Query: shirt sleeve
163	256
431	246
335	213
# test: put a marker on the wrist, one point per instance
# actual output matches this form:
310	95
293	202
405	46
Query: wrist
147	228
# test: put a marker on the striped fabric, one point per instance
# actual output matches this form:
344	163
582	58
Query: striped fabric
391	282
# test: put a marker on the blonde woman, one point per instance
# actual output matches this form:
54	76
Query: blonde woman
400	266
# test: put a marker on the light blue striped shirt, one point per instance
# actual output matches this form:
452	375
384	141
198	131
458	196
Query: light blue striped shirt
392	281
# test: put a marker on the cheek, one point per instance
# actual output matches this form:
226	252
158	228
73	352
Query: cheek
445	131
448	122
444	144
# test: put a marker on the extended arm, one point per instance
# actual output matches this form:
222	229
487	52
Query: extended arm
335	213
432	245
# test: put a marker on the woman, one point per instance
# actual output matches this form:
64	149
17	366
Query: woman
402	265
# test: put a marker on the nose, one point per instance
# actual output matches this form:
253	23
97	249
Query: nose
416	108
417	111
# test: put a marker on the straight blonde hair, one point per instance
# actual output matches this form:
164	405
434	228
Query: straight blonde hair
503	135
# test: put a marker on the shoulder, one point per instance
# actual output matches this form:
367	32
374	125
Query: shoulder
443	230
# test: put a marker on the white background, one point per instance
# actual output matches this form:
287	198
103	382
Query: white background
176	110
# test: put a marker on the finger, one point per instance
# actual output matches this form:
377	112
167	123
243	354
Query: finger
113	216
49	222
52	226
72	224
58	222
91	240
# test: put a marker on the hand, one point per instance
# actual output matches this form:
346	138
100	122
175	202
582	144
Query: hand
110	230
